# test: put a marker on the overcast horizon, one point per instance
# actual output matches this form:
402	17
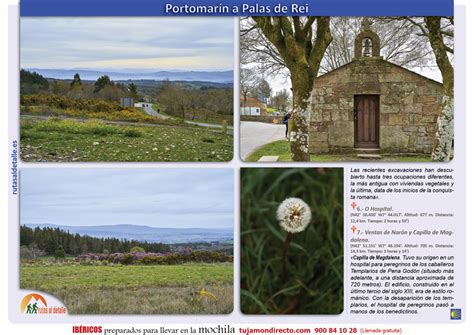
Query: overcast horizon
132	43
159	198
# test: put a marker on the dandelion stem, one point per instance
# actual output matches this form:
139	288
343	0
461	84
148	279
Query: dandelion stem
284	273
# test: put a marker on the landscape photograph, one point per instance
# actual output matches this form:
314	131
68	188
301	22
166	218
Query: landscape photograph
126	89
129	241
328	89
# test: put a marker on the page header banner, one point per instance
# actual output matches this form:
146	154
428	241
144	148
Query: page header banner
236	8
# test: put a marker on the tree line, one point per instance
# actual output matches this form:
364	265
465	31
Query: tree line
52	241
103	88
253	85
176	99
194	104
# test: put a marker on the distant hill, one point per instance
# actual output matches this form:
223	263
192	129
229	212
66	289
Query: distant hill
199	76
146	233
153	84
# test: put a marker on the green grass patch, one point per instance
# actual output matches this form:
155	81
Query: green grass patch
131	114
282	149
278	148
314	262
56	140
158	289
47	277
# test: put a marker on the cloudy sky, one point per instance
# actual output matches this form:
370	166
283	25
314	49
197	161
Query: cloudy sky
136	43
176	198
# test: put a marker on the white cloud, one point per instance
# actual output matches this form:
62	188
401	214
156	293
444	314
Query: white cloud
159	197
136	42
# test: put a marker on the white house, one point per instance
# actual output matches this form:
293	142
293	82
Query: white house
143	104
253	111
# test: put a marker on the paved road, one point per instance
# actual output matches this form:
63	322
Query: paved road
150	111
255	134
208	125
213	127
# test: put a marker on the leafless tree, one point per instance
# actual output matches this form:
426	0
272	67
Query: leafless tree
248	81
281	100
399	42
172	100
439	32
262	90
297	44
255	48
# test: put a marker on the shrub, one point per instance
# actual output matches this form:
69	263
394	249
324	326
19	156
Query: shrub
59	253
137	249
25	253
65	102
127	259
43	104
132	133
191	257
152	260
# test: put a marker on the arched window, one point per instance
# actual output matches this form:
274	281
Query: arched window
367	47
367	44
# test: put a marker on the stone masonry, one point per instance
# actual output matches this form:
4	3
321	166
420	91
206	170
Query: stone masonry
408	110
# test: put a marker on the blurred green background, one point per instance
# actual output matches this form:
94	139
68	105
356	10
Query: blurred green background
315	256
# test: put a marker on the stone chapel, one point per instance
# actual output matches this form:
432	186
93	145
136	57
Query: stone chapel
374	105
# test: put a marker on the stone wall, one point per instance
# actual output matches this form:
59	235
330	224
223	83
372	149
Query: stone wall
409	107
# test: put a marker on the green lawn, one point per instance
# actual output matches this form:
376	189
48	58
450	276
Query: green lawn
281	149
315	267
56	140
135	289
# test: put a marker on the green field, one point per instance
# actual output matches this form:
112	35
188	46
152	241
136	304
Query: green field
57	140
135	289
282	150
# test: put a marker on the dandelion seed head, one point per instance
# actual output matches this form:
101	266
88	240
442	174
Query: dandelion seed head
294	215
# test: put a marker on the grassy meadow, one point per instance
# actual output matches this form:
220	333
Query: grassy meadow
313	283
191	288
56	128
58	140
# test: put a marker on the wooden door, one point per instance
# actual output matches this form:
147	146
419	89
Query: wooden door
366	121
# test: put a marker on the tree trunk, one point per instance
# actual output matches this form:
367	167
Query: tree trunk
445	127
444	132
302	83
299	137
302	54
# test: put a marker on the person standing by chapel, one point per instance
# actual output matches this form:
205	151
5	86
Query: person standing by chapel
286	119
